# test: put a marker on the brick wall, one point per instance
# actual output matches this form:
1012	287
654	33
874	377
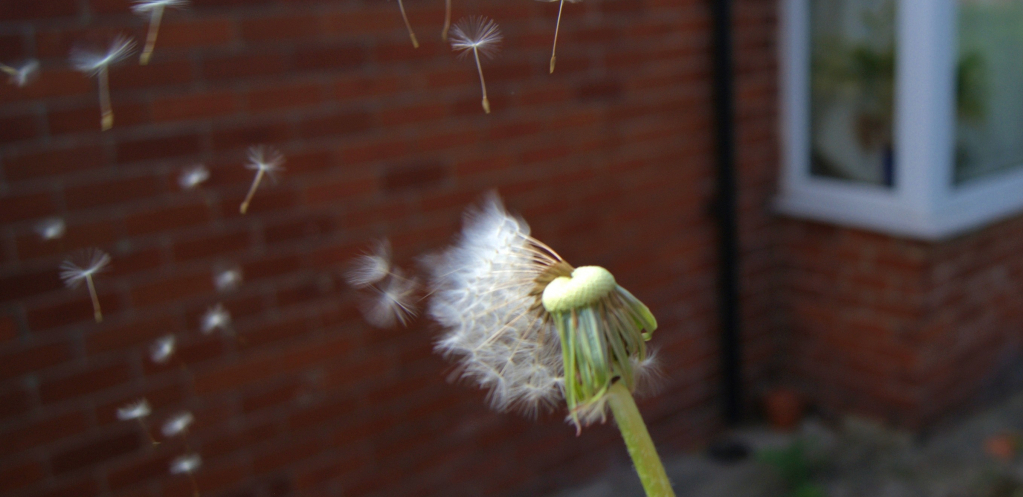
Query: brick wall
609	158
908	332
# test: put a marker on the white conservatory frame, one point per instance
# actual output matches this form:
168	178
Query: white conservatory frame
924	202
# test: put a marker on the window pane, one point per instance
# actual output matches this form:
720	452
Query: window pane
851	89
989	95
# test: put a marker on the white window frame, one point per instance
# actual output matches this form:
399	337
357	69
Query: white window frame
923	203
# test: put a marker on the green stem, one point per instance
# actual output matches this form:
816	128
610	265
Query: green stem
637	440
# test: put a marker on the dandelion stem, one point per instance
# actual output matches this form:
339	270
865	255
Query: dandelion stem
195	486
447	20
415	43
107	119
637	440
483	84
154	29
252	191
95	300
145	428
557	25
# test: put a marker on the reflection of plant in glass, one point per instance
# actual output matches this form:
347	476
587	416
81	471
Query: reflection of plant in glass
532	329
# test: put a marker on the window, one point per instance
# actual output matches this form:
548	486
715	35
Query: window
902	116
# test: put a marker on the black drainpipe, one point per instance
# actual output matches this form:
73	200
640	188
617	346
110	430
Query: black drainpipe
728	252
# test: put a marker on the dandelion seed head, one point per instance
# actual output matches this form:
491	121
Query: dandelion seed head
476	33
228	279
51	229
177	424
134	410
147	6
91	62
216	317
483	294
185	464
162	349
266	159
24	74
193	176
84	265
370	268
393	302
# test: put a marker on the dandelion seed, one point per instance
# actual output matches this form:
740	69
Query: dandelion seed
227	280
411	35
138	411
22	75
193	176
393	303
265	161
154	9
482	36
557	25
216	317
162	349
97	64
371	268
83	267
178	424
51	229
187	464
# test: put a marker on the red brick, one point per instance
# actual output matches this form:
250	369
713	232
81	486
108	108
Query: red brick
194	106
84	382
95	451
17	361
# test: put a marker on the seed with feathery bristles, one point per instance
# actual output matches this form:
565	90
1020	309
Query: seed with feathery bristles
193	176
216	318
557	25
228	279
177	424
51	228
22	75
83	267
482	36
265	161
393	301
94	63
371	268
162	349
154	9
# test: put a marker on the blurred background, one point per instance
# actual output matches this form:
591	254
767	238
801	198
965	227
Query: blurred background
615	160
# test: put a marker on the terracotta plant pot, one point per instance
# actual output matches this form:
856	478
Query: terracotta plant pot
783	408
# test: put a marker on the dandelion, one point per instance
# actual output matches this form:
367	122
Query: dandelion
531	329
22	75
193	176
97	64
51	228
265	161
162	349
483	37
154	9
216	317
411	35
368	269
187	464
229	279
557	25
138	411
82	268
392	303
178	424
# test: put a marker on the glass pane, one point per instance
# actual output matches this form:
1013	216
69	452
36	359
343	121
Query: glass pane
989	95
851	88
